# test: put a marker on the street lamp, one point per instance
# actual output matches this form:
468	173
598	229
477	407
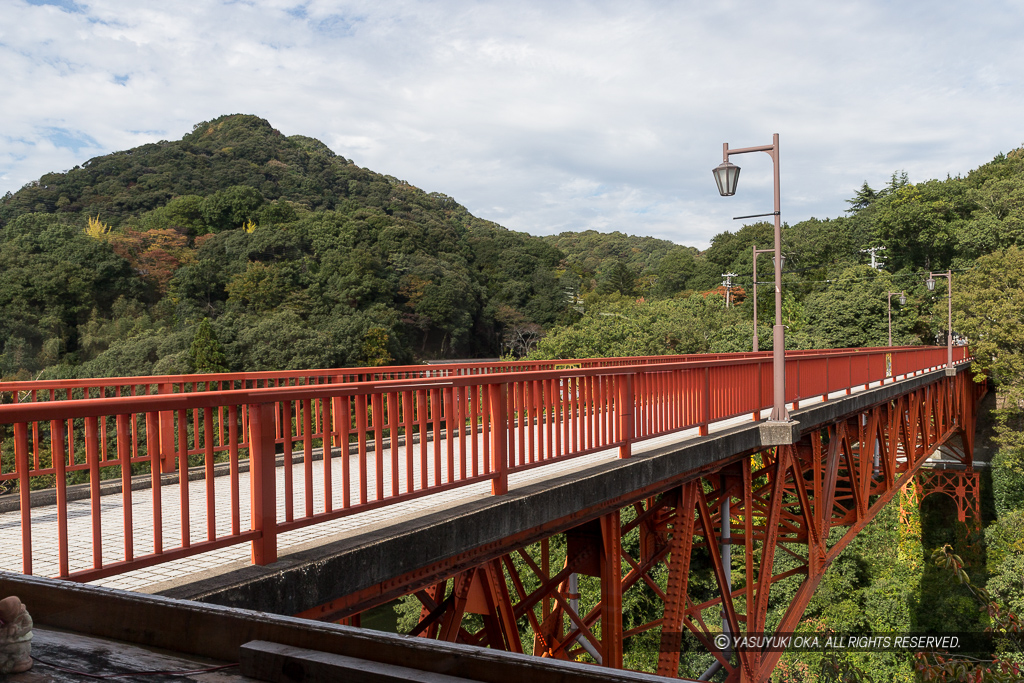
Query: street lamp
930	282
726	177
903	300
757	251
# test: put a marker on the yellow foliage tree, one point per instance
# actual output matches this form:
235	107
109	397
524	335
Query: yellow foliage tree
96	228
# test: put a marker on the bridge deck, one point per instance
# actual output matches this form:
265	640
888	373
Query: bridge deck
188	570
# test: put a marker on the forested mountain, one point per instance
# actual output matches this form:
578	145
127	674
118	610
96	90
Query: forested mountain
297	257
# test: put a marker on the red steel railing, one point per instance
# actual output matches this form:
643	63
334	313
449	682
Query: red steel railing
386	440
108	387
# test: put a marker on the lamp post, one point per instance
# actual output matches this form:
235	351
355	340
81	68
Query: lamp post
930	282
757	251
727	175
903	300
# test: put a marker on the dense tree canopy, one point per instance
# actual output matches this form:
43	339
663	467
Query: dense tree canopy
113	265
291	253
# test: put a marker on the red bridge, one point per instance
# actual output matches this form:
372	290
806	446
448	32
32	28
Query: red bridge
488	489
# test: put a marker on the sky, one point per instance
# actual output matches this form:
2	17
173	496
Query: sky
541	116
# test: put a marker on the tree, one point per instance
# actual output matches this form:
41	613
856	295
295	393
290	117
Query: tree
206	352
616	326
154	254
863	199
620	279
230	208
260	288
1003	622
675	271
375	347
988	309
852	311
917	223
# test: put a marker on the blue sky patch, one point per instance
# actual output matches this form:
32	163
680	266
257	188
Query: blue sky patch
338	24
66	5
73	140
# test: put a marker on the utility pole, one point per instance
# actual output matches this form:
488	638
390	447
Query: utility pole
876	262
727	283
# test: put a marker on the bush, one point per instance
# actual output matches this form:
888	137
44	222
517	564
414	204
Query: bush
1008	481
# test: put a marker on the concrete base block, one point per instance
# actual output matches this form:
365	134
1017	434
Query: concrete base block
779	433
950	372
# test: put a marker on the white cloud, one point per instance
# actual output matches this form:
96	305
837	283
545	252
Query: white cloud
541	116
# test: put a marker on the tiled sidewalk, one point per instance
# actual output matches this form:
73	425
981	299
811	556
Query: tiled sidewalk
44	519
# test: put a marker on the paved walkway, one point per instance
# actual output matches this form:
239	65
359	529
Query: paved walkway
44	519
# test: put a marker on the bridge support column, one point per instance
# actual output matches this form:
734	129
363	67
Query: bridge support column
680	547
611	591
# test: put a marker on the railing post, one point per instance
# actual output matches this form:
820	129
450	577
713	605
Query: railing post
21	461
263	482
167	450
799	394
757	401
626	411
824	396
498	400
849	379
705	404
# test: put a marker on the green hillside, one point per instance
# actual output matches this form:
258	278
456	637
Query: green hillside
297	257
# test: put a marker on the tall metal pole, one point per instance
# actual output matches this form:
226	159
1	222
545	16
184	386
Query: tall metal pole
757	251
889	301
949	319
754	248
779	411
949	324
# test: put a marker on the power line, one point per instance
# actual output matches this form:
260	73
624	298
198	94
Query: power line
923	273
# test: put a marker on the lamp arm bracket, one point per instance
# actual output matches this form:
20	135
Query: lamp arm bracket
758	215
770	149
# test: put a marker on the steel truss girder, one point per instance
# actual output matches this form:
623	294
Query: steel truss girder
784	501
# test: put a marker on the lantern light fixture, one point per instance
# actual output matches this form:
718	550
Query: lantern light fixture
727	175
